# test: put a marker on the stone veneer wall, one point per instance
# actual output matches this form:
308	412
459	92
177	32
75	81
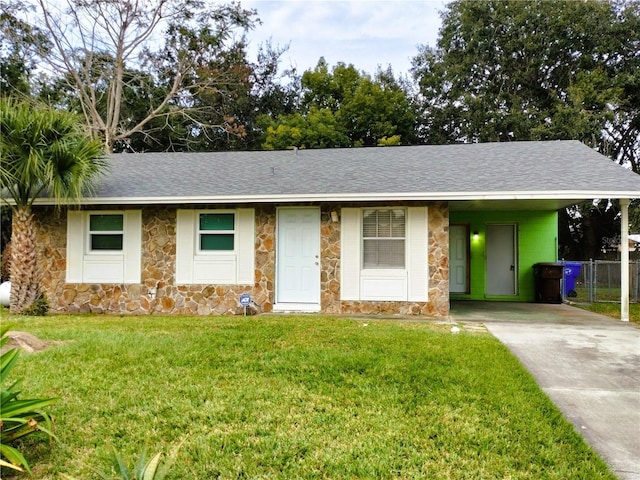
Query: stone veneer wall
158	271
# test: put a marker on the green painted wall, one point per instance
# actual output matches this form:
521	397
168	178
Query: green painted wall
537	241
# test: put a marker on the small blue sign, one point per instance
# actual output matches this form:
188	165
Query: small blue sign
245	299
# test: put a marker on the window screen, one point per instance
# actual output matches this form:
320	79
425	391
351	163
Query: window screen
383	232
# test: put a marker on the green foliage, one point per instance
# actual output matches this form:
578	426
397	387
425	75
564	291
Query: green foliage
344	107
389	141
145	468
39	308
18	417
502	68
508	70
19	41
45	151
318	129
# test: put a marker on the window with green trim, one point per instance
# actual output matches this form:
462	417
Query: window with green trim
106	232
216	232
383	236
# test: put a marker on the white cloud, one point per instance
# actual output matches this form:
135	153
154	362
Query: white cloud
366	33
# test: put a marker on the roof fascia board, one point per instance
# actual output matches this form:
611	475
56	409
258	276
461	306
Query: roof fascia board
337	197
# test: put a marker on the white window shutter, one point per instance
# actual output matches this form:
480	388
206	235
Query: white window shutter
245	248
185	245
132	247
350	254
417	254
76	237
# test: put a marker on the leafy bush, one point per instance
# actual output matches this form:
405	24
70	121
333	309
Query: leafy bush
39	308
18	417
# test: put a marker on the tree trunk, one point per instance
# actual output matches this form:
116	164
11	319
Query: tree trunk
25	276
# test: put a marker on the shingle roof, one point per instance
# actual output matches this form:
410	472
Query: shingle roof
549	169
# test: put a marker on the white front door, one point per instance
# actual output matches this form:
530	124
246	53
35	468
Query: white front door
501	260
298	259
458	258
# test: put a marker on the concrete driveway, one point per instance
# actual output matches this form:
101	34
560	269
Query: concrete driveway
588	365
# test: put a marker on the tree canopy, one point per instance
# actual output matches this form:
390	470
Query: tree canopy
345	107
534	70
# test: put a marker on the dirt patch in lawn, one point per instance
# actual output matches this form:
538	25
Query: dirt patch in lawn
27	342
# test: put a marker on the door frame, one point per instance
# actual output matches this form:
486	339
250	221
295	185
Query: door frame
296	306
515	252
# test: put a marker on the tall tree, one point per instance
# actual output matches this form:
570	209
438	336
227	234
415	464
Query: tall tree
19	43
97	48
43	151
507	70
273	92
343	103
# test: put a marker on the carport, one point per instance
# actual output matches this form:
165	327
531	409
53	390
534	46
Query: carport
495	242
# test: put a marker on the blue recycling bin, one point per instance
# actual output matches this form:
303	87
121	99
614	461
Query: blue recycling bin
570	274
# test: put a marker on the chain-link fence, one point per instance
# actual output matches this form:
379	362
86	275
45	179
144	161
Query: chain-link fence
599	281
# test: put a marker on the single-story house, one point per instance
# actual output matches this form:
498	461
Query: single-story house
359	230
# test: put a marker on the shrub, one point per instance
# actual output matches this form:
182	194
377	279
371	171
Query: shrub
39	308
18	417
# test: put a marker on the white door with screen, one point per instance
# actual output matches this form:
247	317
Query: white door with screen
501	260
458	255
298	259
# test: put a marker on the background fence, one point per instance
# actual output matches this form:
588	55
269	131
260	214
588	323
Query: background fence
599	281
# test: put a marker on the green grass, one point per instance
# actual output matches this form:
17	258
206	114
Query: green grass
294	397
612	310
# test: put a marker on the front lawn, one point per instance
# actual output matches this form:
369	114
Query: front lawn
304	397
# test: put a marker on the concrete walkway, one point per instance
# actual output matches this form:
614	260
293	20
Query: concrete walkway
588	365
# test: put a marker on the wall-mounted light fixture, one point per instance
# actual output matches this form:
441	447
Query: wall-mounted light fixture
475	234
334	216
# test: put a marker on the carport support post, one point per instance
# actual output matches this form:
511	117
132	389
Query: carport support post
624	260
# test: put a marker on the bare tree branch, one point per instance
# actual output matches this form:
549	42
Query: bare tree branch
97	43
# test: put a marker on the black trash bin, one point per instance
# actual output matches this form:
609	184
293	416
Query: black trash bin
547	278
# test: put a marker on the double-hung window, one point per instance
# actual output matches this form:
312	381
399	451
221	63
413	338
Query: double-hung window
106	232
384	254
383	238
216	232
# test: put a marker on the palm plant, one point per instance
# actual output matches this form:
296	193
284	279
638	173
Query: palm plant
43	152
154	468
18	417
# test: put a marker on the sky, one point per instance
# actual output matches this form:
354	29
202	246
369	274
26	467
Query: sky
365	33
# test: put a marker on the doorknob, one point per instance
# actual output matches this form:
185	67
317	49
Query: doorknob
513	267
